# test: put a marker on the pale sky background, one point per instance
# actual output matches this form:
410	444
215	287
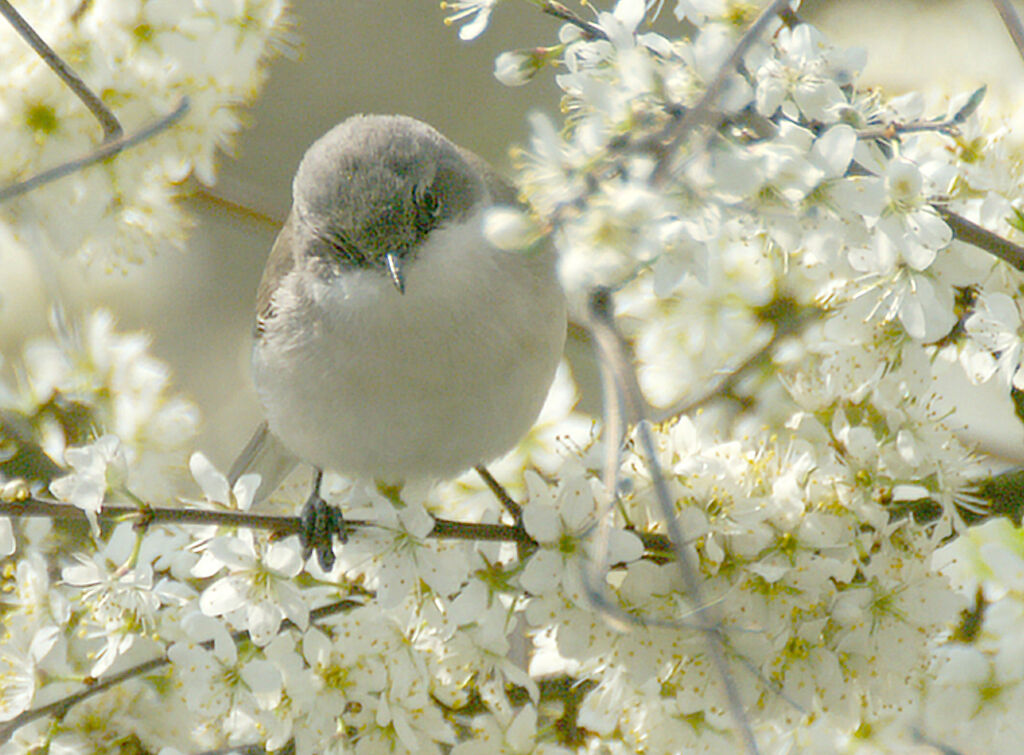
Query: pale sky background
388	56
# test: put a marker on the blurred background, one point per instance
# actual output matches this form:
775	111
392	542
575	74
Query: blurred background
383	56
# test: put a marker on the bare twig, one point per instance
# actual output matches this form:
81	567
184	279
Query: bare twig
59	708
556	9
107	149
946	126
513	508
893	130
616	360
1012	23
108	121
701	113
973	234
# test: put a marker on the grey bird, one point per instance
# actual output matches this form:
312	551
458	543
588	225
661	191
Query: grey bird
393	342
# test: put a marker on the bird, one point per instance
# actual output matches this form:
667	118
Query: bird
393	342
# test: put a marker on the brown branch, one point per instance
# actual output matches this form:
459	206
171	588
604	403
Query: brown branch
108	121
513	508
973	234
947	126
107	149
892	130
279	525
444	529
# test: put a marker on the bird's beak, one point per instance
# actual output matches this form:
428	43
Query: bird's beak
394	266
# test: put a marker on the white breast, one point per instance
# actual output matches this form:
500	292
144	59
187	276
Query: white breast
360	379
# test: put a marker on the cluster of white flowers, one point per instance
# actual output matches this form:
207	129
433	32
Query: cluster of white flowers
797	241
801	238
141	58
979	672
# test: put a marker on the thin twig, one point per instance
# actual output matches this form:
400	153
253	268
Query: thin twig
702	113
107	149
616	425
513	508
973	234
59	708
1012	23
948	126
556	9
892	130
616	351
108	121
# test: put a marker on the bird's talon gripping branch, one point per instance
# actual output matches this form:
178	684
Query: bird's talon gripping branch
320	523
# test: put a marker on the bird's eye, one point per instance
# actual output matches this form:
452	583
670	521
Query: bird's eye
428	202
428	208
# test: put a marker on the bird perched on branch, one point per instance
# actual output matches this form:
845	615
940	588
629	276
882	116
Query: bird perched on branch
394	342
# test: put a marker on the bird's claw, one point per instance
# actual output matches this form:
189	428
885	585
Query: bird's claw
320	523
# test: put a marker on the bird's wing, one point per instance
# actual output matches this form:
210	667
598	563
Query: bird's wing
280	262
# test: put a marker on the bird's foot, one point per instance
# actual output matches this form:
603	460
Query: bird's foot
320	523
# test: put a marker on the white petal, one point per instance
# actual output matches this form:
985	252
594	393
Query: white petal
833	150
214	484
264	680
7	542
624	546
263	619
542	522
222	597
416	521
542	572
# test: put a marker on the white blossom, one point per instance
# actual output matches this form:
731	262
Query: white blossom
787	282
474	13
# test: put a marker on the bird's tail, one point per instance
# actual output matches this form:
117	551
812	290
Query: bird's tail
265	455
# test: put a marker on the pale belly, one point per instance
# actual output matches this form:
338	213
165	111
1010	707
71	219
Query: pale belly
381	385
